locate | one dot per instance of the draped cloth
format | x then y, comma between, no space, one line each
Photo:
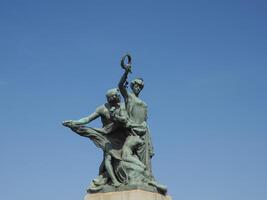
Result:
110,138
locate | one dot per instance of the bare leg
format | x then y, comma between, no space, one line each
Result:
109,168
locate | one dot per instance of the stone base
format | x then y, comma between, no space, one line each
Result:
127,195
121,188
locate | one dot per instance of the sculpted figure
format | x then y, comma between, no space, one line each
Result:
137,123
110,138
124,138
137,113
128,151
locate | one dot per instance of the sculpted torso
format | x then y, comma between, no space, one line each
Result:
137,109
103,111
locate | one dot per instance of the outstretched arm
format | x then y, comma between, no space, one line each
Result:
87,119
82,121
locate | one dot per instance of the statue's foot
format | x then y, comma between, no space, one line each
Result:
95,188
160,187
100,180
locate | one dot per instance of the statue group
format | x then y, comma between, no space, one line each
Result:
124,138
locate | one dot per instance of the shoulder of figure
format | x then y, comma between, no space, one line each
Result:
131,95
101,109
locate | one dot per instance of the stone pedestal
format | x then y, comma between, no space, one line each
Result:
127,195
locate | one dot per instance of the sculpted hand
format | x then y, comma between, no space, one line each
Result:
112,111
128,68
68,123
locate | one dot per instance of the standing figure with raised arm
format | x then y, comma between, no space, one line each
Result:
137,115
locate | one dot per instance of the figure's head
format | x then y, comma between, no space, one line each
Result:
113,96
137,85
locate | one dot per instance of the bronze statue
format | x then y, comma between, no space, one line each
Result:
124,138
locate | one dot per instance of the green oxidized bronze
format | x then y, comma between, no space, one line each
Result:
124,138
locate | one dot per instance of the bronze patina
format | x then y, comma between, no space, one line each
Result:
124,138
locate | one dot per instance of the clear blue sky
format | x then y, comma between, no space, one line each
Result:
205,69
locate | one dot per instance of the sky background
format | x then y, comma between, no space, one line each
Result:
205,69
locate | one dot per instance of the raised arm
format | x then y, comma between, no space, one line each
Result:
123,81
122,85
